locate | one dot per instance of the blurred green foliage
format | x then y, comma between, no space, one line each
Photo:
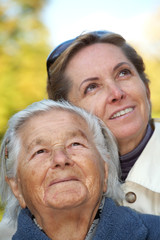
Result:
1,211
1,214
23,51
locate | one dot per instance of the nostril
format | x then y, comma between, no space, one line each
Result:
67,164
57,165
118,97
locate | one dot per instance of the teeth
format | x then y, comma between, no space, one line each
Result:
123,112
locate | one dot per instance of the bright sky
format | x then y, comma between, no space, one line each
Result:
68,18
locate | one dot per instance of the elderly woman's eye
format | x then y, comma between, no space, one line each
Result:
124,72
90,88
40,151
75,144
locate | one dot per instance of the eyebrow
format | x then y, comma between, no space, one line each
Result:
71,134
88,80
120,64
96,78
36,142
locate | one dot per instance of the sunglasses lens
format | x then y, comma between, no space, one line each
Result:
57,52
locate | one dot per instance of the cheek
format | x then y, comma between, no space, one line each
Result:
32,191
147,104
32,178
28,182
144,98
95,177
93,105
138,89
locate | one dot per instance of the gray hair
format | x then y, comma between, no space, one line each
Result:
11,144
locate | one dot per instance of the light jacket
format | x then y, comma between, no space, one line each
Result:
116,223
142,185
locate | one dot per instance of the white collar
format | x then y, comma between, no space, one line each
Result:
145,171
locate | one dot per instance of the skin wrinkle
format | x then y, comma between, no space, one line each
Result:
96,78
39,192
114,90
43,142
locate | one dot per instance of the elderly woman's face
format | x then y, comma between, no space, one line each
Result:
58,165
105,82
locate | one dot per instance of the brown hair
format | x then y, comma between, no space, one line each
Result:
58,86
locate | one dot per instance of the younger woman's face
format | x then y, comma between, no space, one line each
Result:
106,83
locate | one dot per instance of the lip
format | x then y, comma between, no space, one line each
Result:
122,109
60,180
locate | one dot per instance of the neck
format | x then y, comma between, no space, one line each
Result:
129,144
67,224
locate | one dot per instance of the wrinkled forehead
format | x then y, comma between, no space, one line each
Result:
58,118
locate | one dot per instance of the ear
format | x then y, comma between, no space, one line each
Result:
105,177
16,189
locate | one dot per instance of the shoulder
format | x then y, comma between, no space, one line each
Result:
152,223
118,222
27,229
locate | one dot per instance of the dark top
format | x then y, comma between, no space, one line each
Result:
116,223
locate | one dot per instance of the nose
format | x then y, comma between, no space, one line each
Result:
115,93
61,159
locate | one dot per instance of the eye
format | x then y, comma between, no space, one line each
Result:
90,87
124,72
75,144
40,151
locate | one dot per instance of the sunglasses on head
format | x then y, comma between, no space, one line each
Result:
63,46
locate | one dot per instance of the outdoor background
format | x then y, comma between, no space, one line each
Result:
30,29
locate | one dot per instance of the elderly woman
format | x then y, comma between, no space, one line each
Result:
61,164
100,72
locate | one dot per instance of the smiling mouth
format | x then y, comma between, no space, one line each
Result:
122,112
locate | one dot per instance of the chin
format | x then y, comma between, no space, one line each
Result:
66,198
130,129
132,134
67,202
